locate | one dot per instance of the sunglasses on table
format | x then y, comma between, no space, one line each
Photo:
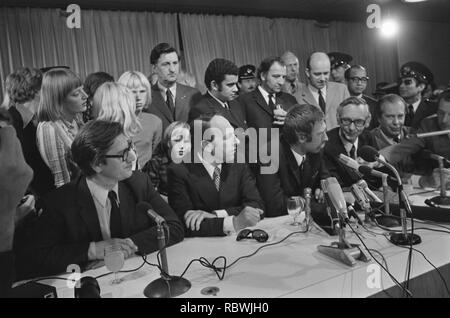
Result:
259,235
125,154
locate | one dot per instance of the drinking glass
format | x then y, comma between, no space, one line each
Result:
114,261
294,207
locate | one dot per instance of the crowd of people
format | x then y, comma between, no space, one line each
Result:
78,159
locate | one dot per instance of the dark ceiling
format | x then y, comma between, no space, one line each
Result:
323,10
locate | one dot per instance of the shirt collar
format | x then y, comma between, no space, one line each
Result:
100,193
416,104
389,139
347,144
316,91
26,113
208,166
298,157
224,105
163,89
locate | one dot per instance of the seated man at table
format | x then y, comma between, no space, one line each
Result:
300,163
100,208
213,195
439,145
353,117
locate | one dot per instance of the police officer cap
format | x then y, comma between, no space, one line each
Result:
418,71
339,59
247,71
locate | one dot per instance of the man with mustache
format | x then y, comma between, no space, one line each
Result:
82,218
221,78
247,79
353,117
319,91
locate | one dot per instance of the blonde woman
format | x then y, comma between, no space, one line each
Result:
148,138
59,115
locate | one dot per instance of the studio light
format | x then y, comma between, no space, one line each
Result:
389,28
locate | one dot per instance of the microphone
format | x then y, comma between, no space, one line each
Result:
442,199
360,197
89,288
428,154
365,187
147,208
337,197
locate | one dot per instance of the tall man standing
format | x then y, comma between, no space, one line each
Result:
292,72
171,101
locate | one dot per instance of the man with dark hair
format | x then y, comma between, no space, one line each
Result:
100,208
213,195
300,161
91,83
319,91
171,101
414,80
247,79
356,77
220,79
23,89
267,105
439,145
353,117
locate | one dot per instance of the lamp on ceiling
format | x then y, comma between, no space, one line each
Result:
413,1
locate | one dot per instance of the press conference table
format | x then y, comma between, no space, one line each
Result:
293,268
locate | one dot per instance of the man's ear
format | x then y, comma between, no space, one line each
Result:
422,87
368,120
307,73
97,167
214,86
302,138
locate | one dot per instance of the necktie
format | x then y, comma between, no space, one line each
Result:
321,101
409,115
226,105
271,101
115,225
353,152
216,177
293,88
396,139
169,102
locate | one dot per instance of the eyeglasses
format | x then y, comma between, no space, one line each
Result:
125,154
359,79
358,122
259,235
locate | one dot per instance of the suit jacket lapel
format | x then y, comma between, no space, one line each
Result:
292,163
87,210
259,99
127,207
331,95
205,185
179,100
307,96
159,103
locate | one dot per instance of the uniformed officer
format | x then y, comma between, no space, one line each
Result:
339,64
247,79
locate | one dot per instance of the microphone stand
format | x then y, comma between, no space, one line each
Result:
442,199
166,286
403,238
386,219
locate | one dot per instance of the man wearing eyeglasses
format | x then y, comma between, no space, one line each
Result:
414,79
356,77
99,209
353,117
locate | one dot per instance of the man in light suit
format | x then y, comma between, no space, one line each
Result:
319,91
100,208
292,71
221,77
213,195
171,101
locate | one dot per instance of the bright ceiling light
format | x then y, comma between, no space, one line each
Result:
414,1
389,28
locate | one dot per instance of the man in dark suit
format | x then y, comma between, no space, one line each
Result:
171,101
98,209
23,89
353,117
213,195
299,157
15,176
267,105
439,145
247,79
319,91
414,79
356,77
221,77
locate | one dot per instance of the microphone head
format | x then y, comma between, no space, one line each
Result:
368,153
365,170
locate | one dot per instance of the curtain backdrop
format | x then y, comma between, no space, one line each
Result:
110,41
116,41
247,40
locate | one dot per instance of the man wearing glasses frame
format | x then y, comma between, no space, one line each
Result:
100,208
357,79
353,117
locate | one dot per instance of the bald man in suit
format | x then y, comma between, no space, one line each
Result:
319,91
